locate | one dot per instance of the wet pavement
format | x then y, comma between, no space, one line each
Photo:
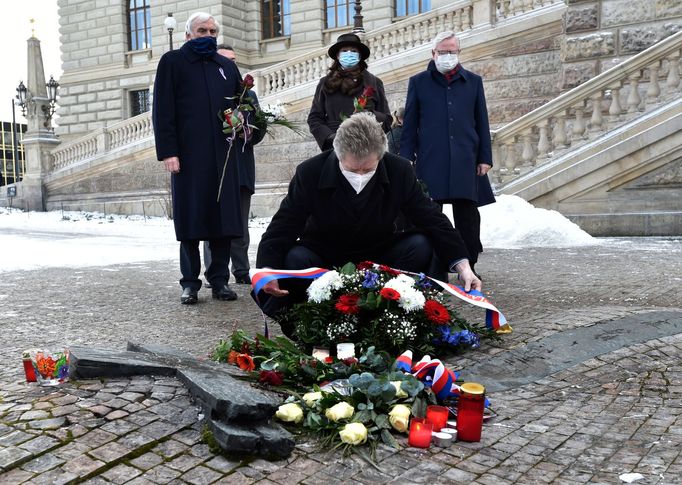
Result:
587,388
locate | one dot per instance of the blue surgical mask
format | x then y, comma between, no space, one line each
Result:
349,59
204,46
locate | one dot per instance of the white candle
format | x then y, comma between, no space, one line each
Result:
345,351
320,353
442,439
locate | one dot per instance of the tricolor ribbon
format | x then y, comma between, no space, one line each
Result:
494,319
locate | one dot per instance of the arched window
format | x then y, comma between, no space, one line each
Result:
411,7
275,18
139,25
338,13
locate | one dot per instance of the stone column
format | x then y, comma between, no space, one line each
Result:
39,138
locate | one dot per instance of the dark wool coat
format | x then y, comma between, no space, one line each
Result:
245,156
189,94
446,130
327,110
317,213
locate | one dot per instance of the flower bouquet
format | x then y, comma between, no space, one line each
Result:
374,305
247,117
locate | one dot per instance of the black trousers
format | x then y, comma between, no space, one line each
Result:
411,253
468,222
217,272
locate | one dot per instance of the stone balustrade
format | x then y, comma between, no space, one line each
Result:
509,8
586,112
100,141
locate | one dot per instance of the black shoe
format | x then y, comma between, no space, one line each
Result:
224,293
243,280
189,296
207,284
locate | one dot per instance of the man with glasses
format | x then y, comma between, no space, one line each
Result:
446,133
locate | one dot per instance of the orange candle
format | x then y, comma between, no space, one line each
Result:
438,416
420,433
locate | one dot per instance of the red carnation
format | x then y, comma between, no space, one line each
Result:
271,377
436,312
365,265
248,82
348,304
389,294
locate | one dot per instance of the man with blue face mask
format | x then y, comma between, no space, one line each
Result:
347,80
446,133
193,85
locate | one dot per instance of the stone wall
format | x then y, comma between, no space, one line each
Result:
602,33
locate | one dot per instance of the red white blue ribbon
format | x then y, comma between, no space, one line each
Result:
494,319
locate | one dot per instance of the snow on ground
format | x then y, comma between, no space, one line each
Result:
76,239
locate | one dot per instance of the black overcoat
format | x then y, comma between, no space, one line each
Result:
446,130
189,94
316,214
329,110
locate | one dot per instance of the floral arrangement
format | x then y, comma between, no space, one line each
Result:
247,117
364,101
278,362
374,305
363,409
49,368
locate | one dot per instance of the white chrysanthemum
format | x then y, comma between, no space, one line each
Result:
400,282
321,289
411,299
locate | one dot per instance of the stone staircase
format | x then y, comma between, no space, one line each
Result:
606,153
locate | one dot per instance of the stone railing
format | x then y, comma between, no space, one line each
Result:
103,140
396,38
606,101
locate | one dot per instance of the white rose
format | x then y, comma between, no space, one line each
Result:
353,434
398,389
338,411
310,398
290,412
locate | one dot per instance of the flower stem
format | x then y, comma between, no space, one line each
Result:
222,177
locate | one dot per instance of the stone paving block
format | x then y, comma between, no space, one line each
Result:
111,452
72,450
15,476
56,476
184,462
121,474
200,475
135,440
97,437
43,463
147,461
118,414
119,427
170,448
82,465
161,474
15,438
63,410
188,436
32,415
160,429
142,418
225,465
40,444
45,424
236,478
13,456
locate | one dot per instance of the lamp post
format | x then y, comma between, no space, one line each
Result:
171,24
15,142
357,18
26,101
21,96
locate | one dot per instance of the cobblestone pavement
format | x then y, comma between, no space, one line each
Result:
620,412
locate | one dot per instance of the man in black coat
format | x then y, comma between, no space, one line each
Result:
341,207
193,87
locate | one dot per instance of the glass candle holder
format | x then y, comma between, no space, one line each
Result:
320,353
438,416
470,411
420,433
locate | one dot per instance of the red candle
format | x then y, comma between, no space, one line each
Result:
420,433
470,411
438,416
28,368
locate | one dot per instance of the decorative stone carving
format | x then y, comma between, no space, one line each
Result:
668,176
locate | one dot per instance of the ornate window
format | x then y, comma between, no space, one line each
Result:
411,7
139,102
338,13
139,25
275,18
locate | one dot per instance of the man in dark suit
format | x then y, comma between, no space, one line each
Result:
446,132
193,86
341,207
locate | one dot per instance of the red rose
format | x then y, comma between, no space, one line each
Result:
271,377
348,304
248,81
350,361
365,265
436,312
368,92
362,101
388,269
389,294
329,360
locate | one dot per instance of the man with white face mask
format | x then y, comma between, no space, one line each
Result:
342,206
446,132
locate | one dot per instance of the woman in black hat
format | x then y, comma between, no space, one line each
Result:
335,96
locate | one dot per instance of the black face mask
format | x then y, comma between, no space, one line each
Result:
204,46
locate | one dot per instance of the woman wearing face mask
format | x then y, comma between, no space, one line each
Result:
334,97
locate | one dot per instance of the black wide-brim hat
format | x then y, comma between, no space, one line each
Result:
346,40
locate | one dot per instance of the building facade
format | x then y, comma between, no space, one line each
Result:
110,48
12,159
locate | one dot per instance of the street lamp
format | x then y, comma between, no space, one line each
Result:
27,102
171,24
52,87
358,28
21,96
